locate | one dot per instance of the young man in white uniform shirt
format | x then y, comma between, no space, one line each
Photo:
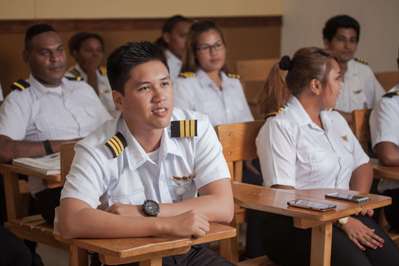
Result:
145,169
384,129
46,110
360,89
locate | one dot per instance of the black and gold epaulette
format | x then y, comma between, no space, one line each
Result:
187,75
20,85
116,144
391,94
183,128
233,76
271,114
77,78
102,70
361,61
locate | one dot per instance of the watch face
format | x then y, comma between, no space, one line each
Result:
151,208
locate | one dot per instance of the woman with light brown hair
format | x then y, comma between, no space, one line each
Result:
307,146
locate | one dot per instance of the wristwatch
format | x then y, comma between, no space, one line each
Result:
343,221
151,208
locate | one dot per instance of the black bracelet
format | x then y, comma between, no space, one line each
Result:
47,147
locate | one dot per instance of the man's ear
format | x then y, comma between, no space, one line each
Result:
166,37
315,86
326,44
118,99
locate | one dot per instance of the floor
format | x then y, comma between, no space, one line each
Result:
52,256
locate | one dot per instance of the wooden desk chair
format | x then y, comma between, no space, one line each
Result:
253,74
149,251
32,228
238,141
361,129
388,79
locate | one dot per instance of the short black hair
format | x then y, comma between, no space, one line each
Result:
75,42
123,59
35,30
340,21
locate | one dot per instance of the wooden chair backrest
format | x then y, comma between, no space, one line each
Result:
253,74
361,128
67,154
388,79
256,69
238,142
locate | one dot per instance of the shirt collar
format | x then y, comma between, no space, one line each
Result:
351,69
206,81
135,154
83,74
171,56
42,88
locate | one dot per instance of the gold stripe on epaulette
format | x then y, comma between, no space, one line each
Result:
233,76
116,144
183,129
187,74
102,70
20,84
361,61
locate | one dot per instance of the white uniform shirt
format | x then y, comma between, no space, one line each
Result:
360,89
104,88
384,126
294,151
174,64
99,179
39,113
225,106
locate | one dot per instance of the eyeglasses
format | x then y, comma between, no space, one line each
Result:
208,48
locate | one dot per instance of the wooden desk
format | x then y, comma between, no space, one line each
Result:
12,190
275,201
149,251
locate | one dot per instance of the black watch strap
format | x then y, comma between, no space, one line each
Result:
47,147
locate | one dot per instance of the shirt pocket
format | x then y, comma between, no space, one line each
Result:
359,99
182,187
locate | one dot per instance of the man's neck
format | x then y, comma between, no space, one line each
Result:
150,140
46,84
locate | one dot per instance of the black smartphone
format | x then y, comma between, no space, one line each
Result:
347,197
311,205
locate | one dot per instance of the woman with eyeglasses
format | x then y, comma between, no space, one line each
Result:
205,85
309,146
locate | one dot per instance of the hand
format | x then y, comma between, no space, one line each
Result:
363,212
361,235
126,210
190,223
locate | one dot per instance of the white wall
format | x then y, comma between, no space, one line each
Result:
303,21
